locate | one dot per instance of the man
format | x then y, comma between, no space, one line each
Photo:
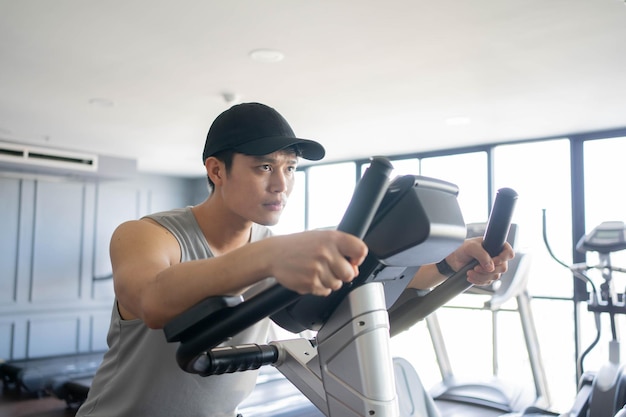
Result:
167,262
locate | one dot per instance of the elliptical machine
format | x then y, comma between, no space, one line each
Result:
347,370
601,393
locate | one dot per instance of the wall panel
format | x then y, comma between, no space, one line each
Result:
116,203
25,241
6,339
54,239
57,245
9,221
48,336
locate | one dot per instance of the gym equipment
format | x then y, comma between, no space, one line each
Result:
347,369
494,393
273,396
601,393
276,396
73,391
36,376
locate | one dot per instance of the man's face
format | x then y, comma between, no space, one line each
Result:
257,187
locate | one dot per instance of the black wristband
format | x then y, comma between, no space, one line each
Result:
444,268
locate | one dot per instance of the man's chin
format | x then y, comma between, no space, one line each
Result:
270,221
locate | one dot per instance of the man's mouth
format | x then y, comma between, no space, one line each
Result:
275,205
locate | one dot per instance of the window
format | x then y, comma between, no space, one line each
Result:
540,173
467,171
604,201
405,167
604,186
330,190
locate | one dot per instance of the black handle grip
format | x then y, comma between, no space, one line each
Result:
408,313
366,198
232,359
499,221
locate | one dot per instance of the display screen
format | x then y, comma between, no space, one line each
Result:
608,234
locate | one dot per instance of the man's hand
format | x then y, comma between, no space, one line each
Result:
489,269
318,262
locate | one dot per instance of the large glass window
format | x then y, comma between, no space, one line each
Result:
405,167
330,190
605,179
467,171
540,173
604,201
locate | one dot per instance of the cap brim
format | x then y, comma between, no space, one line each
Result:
311,150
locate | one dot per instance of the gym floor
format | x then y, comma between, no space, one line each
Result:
12,405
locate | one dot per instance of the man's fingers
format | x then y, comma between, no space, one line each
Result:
353,248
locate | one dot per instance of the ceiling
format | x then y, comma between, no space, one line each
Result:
145,78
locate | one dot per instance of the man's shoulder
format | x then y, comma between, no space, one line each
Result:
176,212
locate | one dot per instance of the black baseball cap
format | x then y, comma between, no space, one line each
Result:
255,129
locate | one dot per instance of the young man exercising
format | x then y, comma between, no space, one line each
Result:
167,262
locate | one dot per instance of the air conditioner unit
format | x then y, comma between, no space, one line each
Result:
19,158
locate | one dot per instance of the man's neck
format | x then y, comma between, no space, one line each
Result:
222,230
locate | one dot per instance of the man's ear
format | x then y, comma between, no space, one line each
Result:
215,169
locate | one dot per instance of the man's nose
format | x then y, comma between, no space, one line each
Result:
279,181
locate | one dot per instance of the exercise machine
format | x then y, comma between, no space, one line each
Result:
347,369
601,393
38,376
494,393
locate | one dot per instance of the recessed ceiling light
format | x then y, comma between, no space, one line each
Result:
267,55
458,121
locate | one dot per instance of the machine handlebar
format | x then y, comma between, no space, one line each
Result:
408,311
366,198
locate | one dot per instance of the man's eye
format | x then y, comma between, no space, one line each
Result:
266,167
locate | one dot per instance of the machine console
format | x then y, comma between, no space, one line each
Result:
607,237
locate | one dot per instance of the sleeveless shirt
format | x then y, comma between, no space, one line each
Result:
139,375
